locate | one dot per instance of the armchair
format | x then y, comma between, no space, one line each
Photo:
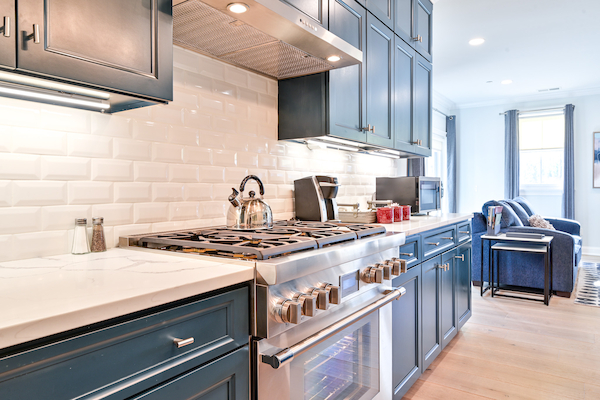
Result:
527,270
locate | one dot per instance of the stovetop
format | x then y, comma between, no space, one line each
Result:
286,237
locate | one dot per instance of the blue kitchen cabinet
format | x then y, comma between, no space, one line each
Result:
8,35
383,10
423,107
412,23
430,309
462,266
447,289
133,355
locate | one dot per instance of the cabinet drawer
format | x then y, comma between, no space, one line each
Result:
411,251
224,379
463,231
125,359
438,241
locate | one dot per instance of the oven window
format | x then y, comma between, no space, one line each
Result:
346,366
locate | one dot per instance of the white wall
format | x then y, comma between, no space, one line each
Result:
156,168
480,153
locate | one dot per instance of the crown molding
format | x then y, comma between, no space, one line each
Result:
443,103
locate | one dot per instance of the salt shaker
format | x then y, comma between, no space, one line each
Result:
80,240
98,241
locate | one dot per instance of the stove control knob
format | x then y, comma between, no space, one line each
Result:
322,298
387,272
290,311
335,295
307,302
402,265
372,274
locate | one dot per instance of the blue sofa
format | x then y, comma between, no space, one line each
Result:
527,270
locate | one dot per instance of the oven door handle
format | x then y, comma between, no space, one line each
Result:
287,355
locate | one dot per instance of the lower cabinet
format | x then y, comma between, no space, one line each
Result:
436,304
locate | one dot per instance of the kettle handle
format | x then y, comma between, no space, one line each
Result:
257,179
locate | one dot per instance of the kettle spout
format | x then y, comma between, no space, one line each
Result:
234,198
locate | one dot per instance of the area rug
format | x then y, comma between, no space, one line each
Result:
588,288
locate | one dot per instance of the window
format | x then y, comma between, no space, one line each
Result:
435,165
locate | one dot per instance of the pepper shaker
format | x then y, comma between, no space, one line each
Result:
98,240
80,239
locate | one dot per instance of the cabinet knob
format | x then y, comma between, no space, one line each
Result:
183,342
6,27
461,257
418,38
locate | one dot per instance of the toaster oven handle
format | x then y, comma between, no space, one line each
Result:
287,355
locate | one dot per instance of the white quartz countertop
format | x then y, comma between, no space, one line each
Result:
418,224
49,295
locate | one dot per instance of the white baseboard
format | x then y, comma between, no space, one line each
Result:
590,251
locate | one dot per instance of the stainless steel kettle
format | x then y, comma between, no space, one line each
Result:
250,212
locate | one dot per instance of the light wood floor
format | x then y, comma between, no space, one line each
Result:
519,349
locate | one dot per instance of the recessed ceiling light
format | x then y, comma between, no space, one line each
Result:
238,8
490,82
476,41
334,58
506,82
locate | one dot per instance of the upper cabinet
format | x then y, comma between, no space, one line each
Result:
315,9
383,10
413,23
8,58
114,44
422,107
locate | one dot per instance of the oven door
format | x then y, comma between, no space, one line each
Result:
345,360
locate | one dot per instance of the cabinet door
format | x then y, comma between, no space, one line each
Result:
380,68
422,106
423,12
447,298
115,44
404,74
463,283
406,341
403,26
430,310
226,378
8,34
383,10
347,86
316,9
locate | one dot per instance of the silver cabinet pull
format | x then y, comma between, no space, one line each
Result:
367,128
373,129
407,254
418,38
463,232
445,267
36,33
448,238
461,257
417,142
287,355
434,244
6,26
183,342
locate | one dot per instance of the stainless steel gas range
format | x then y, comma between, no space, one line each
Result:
322,318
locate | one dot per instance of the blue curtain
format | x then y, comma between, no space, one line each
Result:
451,162
511,154
568,203
416,166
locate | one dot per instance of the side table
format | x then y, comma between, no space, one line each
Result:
517,244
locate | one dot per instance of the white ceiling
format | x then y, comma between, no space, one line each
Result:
538,44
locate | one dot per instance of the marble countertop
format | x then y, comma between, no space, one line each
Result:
48,295
418,224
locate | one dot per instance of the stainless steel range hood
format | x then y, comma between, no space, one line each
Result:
271,38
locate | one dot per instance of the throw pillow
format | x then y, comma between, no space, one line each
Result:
511,215
537,221
525,204
520,211
509,218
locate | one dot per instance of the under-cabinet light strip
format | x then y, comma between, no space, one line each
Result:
51,97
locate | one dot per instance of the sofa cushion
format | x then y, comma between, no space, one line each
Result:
525,204
509,217
520,211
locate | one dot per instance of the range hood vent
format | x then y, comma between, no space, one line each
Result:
272,39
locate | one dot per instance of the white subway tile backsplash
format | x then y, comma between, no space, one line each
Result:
185,59
125,230
214,209
224,124
224,89
112,170
262,174
38,141
247,96
236,110
170,153
185,98
278,205
65,119
150,171
276,149
168,191
233,174
127,149
285,191
66,168
6,248
245,159
179,211
258,114
167,226
224,158
276,176
266,100
199,83
150,212
221,191
150,131
5,194
212,104
272,88
20,166
90,192
193,118
212,174
267,161
213,139
184,135
20,113
5,138
80,145
41,244
114,214
285,163
56,218
198,191
258,83
20,219
168,115
132,192
291,176
197,155
37,193
184,173
212,68
111,125
236,76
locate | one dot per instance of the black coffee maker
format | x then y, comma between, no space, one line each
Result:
314,198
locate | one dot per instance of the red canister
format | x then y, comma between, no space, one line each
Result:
405,213
397,213
385,215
